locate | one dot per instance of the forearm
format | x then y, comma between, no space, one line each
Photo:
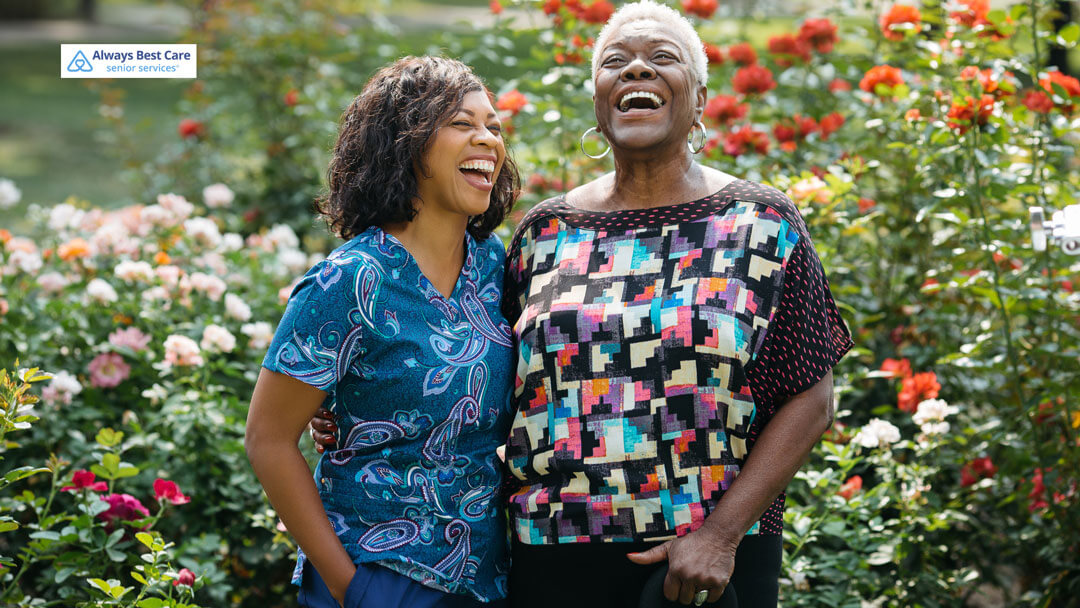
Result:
286,478
781,449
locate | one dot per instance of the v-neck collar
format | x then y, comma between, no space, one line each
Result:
426,286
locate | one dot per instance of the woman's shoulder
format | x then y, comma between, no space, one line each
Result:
544,210
764,195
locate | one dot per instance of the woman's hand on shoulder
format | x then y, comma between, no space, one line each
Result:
323,429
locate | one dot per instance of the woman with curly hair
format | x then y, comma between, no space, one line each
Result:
398,333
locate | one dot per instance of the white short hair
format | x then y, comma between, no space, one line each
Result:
647,10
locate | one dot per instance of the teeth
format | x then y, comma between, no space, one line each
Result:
624,104
486,166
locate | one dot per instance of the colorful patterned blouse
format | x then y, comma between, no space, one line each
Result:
418,384
654,346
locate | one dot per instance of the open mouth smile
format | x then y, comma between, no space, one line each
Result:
478,172
640,100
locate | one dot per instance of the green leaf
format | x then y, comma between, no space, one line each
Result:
8,526
107,437
145,539
115,554
63,574
100,584
139,577
151,602
46,535
1068,35
126,470
111,462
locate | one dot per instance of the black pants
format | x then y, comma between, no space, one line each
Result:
599,575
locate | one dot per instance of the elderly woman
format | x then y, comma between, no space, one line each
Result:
676,337
675,340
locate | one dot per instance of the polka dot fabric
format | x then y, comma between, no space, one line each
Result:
654,345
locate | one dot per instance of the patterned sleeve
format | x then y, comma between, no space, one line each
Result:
316,342
806,336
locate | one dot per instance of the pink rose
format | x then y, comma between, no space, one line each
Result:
108,370
84,480
131,337
184,577
122,507
168,490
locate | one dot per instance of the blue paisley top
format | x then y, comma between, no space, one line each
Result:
419,384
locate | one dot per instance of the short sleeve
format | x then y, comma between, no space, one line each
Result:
806,336
513,298
316,342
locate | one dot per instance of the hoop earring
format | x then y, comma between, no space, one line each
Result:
690,138
586,134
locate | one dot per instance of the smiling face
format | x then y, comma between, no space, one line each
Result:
646,93
462,160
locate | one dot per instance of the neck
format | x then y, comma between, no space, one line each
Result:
644,177
436,241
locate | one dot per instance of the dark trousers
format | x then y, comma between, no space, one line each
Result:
599,575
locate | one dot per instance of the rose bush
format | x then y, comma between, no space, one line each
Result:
913,142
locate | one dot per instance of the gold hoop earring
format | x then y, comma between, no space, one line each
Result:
690,138
585,135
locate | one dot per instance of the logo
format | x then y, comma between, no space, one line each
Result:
80,63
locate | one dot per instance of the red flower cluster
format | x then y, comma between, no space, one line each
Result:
818,34
725,109
1068,83
84,480
753,79
897,15
496,7
701,8
745,140
899,368
742,54
165,490
787,49
538,183
551,7
292,97
976,12
830,124
714,54
189,127
963,114
597,12
1037,101
850,487
882,74
979,468
916,389
511,101
866,204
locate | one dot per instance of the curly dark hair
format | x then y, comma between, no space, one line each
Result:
383,136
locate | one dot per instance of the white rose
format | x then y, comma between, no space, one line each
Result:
216,338
231,241
212,286
52,282
64,217
203,231
134,271
217,195
101,292
9,194
260,333
26,261
283,237
236,308
877,433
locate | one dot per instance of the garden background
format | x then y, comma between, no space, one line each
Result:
150,231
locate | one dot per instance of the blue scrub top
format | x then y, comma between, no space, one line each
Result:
419,384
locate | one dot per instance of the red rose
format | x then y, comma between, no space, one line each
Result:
122,507
725,109
292,97
965,113
897,15
806,125
713,53
1037,101
189,127
753,79
598,12
496,7
701,8
184,577
784,133
512,101
881,74
839,84
84,480
168,490
1070,84
831,123
977,10
819,34
1037,496
551,6
742,53
912,115
984,77
899,368
866,204
850,487
984,467
916,389
786,49
744,141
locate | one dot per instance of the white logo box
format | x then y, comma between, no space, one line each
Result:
128,61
